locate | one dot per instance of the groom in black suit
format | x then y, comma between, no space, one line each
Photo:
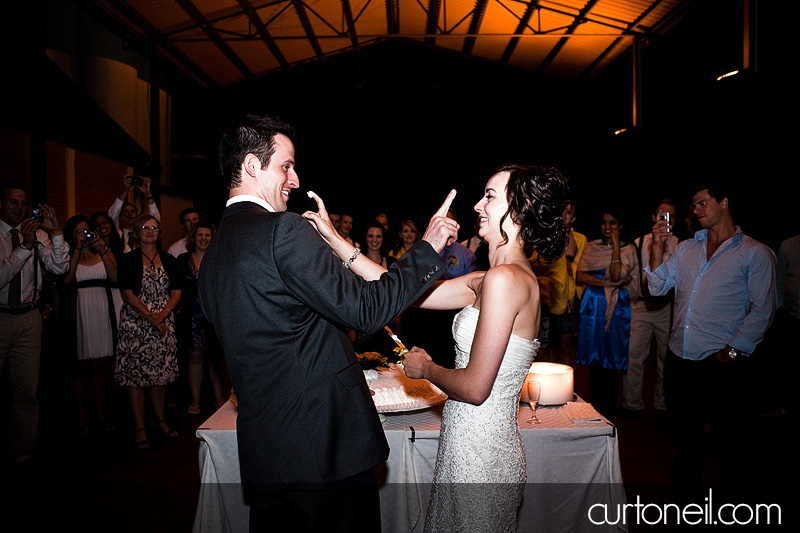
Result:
308,433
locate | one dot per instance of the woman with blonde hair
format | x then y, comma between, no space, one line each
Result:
147,348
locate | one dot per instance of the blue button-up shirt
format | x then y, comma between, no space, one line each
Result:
458,260
729,299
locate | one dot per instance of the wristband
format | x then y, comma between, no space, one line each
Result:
349,262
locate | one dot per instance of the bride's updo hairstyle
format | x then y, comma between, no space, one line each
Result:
537,196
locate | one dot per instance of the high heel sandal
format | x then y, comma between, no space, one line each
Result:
143,444
169,432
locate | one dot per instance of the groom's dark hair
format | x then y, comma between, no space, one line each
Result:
251,134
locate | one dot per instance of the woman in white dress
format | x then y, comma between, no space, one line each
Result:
88,308
480,467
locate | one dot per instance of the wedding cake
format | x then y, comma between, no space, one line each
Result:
394,391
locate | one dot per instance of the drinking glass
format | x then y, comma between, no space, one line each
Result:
534,393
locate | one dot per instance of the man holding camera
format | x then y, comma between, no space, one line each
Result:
25,248
124,213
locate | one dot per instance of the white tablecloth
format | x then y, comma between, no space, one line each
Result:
570,468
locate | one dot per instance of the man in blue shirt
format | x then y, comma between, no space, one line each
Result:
725,298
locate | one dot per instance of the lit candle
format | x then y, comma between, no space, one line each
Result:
557,383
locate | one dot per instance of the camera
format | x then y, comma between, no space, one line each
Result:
137,180
88,235
666,216
37,215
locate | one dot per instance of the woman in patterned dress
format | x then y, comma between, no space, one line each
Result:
147,347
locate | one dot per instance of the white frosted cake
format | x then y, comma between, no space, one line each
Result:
394,391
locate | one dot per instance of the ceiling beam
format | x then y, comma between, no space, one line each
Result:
474,25
524,22
300,8
263,32
628,30
347,11
577,21
392,17
201,21
432,21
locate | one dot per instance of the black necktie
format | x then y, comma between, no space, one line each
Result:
131,242
15,288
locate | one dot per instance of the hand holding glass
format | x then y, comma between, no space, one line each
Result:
534,393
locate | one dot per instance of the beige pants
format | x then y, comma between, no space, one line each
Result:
646,326
20,347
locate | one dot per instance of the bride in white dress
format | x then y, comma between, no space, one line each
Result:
480,469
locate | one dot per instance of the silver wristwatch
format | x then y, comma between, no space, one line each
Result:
732,353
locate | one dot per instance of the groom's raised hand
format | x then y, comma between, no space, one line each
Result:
441,228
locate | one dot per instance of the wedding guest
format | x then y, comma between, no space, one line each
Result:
478,247
89,321
380,341
725,299
146,359
336,220
101,223
554,300
308,432
787,323
187,219
480,469
408,235
606,269
383,218
651,317
375,238
124,213
25,249
566,324
346,227
196,336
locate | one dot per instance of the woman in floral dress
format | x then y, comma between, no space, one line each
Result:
147,347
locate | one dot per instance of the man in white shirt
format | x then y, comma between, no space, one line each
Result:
187,219
25,248
124,213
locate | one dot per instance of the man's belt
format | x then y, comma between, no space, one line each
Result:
21,310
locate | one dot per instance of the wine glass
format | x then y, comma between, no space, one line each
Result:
534,393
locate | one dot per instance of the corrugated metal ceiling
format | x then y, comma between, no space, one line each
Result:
220,43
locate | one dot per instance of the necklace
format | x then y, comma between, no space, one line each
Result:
152,263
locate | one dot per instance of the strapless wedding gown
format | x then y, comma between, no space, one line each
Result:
480,470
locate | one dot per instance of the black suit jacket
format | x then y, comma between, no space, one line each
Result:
278,299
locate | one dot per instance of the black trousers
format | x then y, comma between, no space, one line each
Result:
717,392
351,505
